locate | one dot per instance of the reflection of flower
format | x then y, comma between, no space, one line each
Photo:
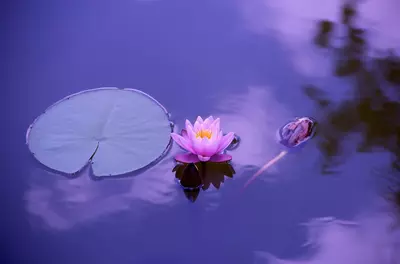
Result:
194,176
204,141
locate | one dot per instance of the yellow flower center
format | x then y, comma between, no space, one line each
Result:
204,133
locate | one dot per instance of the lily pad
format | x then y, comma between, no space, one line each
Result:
119,130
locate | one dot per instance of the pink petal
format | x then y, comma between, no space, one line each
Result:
186,158
225,141
198,145
182,142
199,120
188,124
215,128
220,158
197,126
219,137
205,147
216,124
184,134
202,158
191,134
207,123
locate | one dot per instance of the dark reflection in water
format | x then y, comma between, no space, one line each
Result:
371,111
352,54
396,196
393,197
201,175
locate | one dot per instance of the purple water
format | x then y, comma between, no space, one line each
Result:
245,62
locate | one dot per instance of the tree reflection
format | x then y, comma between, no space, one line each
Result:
201,175
372,112
324,33
393,197
397,199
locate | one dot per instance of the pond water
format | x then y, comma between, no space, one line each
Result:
255,65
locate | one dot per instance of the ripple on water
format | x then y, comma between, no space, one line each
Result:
369,240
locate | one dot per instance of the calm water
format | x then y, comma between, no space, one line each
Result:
253,64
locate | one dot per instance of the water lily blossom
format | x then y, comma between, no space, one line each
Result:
204,141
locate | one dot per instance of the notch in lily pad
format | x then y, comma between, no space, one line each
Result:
119,130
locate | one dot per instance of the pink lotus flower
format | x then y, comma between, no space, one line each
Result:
204,141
